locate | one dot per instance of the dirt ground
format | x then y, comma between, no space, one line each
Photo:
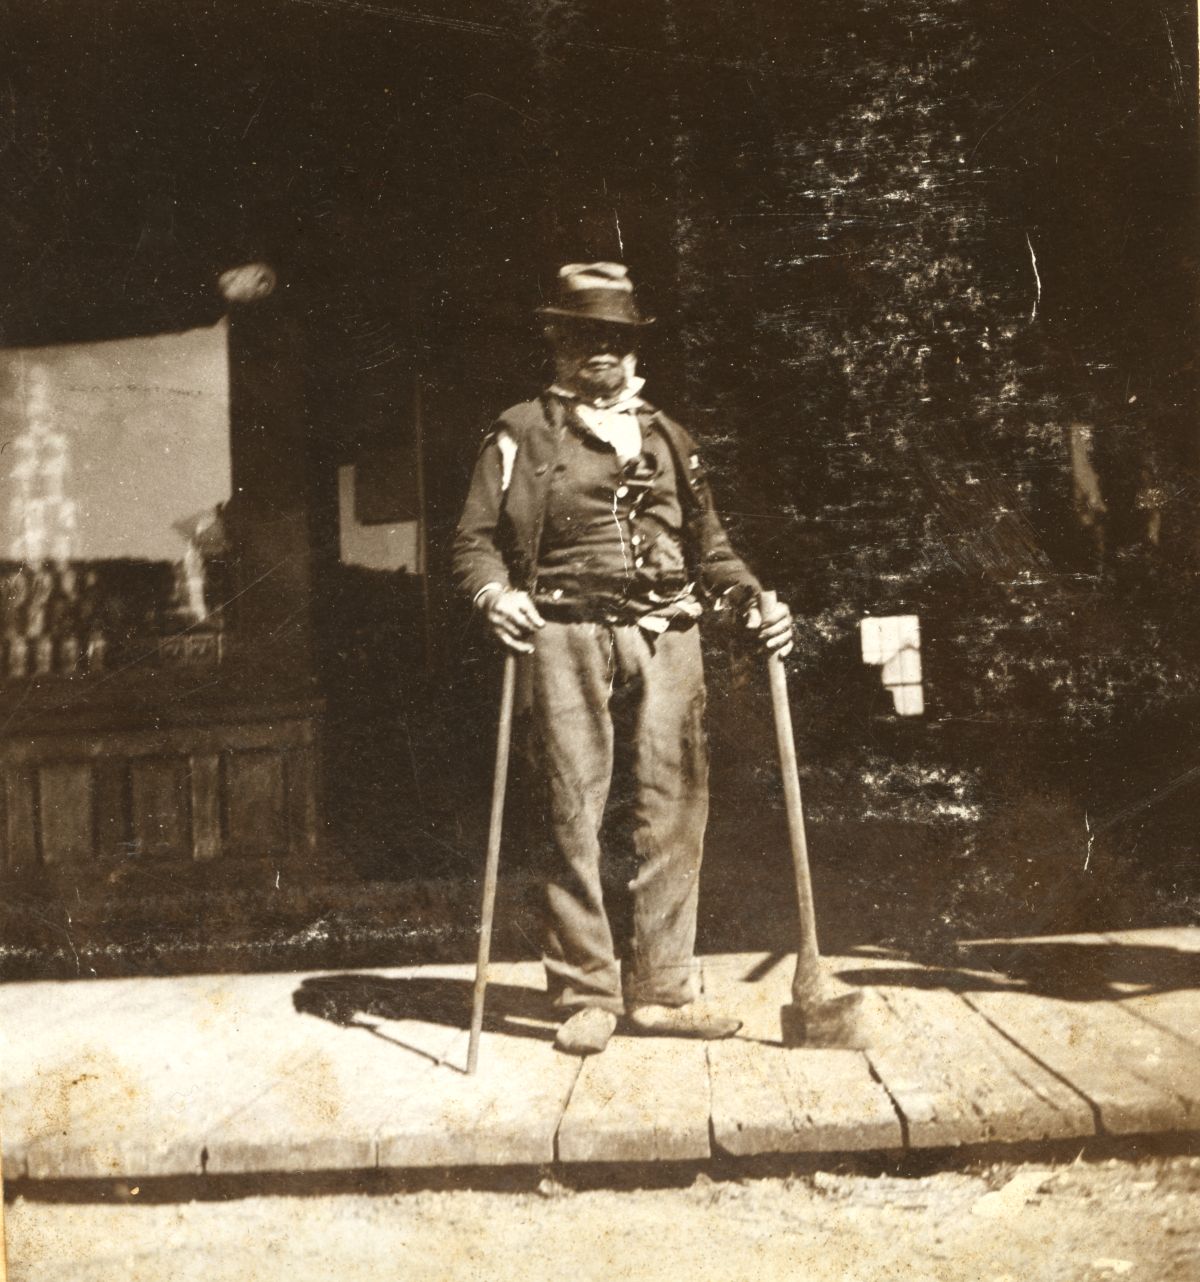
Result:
1092,1220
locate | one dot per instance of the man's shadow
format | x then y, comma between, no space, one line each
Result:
1066,969
368,1001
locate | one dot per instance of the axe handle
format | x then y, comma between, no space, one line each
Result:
491,867
808,957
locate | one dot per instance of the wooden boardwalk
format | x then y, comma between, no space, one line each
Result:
1017,1041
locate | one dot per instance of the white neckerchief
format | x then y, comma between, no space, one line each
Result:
613,419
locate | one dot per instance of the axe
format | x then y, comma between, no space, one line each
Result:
815,1016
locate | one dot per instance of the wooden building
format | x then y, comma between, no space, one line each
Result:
928,296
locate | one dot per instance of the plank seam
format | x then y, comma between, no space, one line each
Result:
556,1154
1036,1090
1097,1119
713,1147
223,1123
904,1136
1013,1071
1187,1042
1167,1088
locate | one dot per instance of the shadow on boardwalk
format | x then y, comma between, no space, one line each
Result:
358,999
1072,970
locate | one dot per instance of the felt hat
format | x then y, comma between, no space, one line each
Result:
596,292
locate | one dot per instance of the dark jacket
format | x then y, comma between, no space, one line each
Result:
500,530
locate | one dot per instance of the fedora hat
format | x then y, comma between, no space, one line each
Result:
597,292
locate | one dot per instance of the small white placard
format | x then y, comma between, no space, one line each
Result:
893,644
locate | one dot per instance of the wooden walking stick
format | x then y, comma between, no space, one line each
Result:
492,863
813,1017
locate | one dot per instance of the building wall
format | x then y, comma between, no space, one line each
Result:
925,291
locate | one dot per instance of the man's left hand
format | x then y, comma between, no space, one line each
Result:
773,630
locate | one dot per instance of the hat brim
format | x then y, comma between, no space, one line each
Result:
588,319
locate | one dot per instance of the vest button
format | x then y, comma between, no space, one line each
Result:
541,469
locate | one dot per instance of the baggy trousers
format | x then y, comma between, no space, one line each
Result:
573,673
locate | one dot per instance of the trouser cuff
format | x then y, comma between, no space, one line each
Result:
569,1001
664,989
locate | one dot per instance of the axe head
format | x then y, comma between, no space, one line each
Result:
834,1023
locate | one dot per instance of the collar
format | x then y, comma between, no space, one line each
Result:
627,401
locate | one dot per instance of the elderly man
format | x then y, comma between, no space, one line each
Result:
589,543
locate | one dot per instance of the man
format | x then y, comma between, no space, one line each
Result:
589,543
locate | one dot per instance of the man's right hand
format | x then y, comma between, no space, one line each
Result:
512,616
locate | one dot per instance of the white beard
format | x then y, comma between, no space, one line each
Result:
608,385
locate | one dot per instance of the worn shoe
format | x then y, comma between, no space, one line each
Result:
586,1032
696,1019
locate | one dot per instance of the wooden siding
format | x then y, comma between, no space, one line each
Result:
183,793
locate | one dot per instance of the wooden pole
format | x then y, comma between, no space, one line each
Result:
807,982
492,863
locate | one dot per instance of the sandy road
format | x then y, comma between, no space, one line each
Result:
1037,1223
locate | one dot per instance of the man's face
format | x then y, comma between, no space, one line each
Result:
592,359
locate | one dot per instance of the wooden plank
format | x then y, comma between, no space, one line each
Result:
46,1028
326,1112
54,1035
1165,979
391,1088
766,1099
508,1112
1138,1077
957,1081
645,1099
257,820
230,1064
31,1009
159,790
1176,1012
505,1115
752,987
953,1077
137,1077
136,1095
205,775
20,819
229,736
301,777
66,793
113,832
